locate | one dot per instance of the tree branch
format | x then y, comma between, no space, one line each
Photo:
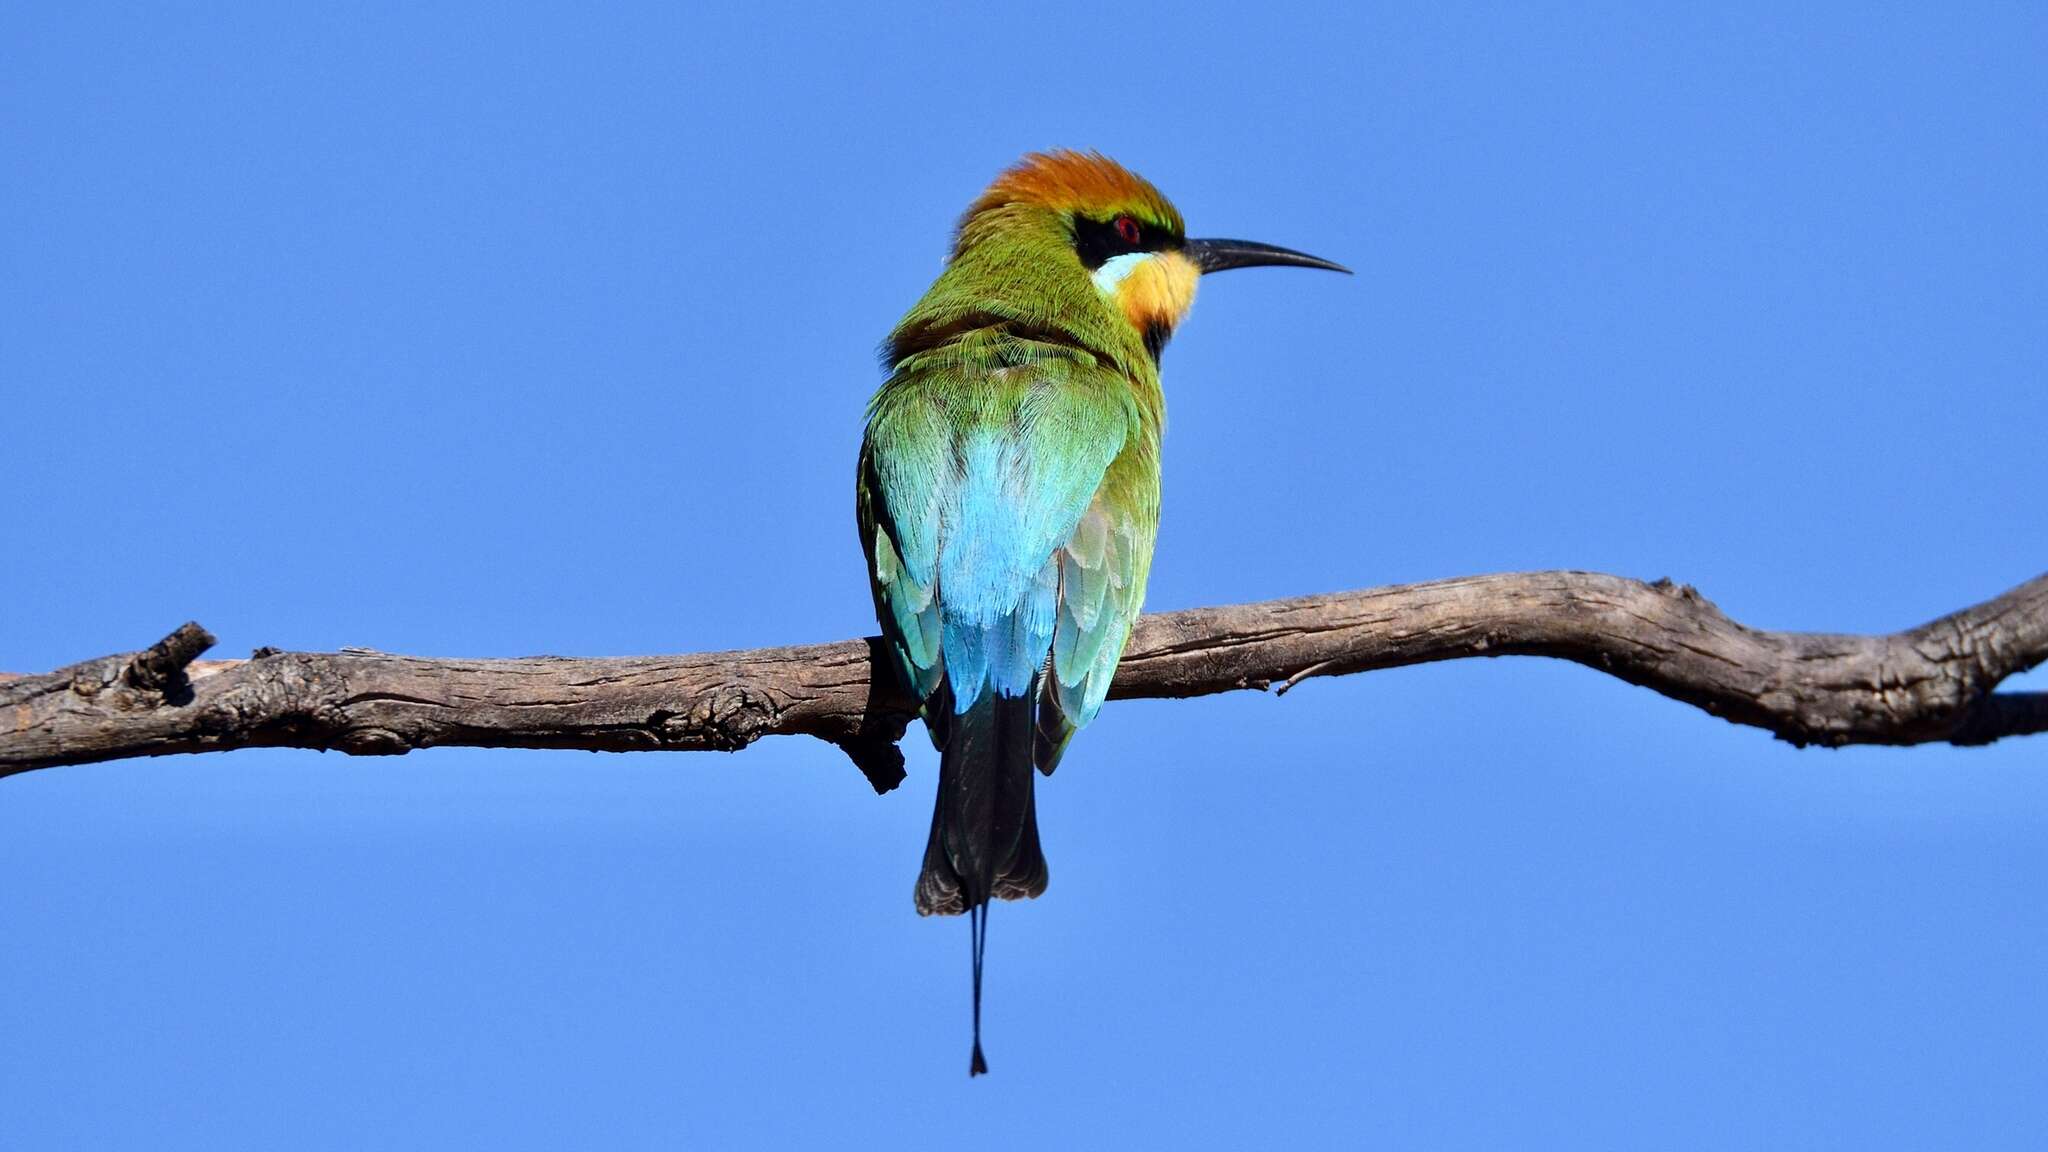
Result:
1930,684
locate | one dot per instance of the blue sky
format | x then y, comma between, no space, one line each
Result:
487,332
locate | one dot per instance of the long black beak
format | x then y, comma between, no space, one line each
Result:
1219,255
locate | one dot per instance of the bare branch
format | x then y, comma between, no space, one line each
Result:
1931,684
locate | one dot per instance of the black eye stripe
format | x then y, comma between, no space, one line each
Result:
1099,241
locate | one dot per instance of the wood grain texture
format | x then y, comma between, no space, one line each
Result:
1931,684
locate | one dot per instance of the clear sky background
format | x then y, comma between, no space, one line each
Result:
500,332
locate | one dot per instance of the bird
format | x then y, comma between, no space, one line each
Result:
1008,493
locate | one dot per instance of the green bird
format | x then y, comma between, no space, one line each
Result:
1008,493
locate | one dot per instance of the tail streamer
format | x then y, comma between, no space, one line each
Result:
977,921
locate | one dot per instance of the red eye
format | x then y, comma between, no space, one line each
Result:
1127,229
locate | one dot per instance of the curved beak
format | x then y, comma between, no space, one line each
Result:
1220,255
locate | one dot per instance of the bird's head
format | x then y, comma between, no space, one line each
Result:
1075,243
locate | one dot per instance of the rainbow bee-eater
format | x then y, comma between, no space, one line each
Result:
1009,493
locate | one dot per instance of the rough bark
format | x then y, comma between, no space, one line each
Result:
1930,684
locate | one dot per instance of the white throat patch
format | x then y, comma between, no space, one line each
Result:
1115,268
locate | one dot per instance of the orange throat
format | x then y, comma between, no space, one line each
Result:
1155,293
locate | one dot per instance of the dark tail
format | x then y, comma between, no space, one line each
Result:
984,840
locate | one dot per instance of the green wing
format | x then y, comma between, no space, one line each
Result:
1103,567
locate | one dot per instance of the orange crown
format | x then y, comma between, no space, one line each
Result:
1088,183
